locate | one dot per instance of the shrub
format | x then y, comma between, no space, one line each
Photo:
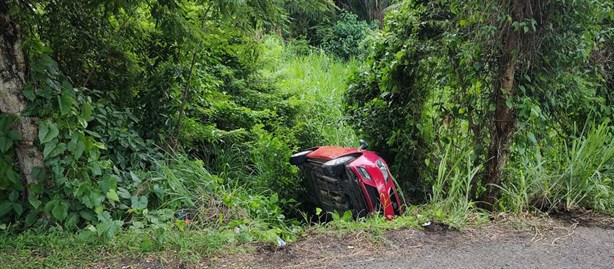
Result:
385,101
343,38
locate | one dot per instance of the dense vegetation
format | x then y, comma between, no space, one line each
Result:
515,95
120,118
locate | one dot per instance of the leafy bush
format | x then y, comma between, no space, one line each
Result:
343,38
385,101
88,147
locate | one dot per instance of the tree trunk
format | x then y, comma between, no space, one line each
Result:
504,117
12,80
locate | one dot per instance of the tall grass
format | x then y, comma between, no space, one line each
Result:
212,202
452,188
318,81
566,175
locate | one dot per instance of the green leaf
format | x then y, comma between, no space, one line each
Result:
65,101
52,149
60,210
5,144
34,201
6,122
4,183
138,202
82,122
5,208
32,217
47,132
86,111
347,215
123,193
76,146
71,221
13,196
28,92
95,167
72,145
509,103
100,145
49,147
18,209
135,178
39,174
93,200
49,205
59,149
112,195
87,215
274,198
13,135
532,138
80,148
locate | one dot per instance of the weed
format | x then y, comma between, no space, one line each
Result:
564,175
451,192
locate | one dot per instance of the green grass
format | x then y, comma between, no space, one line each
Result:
374,227
319,82
564,175
33,249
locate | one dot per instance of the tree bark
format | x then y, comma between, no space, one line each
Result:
504,117
13,69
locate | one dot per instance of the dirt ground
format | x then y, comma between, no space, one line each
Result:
566,241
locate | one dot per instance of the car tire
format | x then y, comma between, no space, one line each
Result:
336,167
299,158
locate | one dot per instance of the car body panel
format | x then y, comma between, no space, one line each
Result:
385,189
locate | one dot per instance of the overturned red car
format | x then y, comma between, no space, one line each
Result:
342,178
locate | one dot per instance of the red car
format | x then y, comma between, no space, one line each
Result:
342,178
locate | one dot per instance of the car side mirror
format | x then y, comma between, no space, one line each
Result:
363,144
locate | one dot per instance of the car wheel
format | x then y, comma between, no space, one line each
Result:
299,158
336,167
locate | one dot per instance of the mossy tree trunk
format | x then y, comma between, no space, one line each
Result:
504,117
13,68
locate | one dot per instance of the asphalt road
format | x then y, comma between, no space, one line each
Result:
582,247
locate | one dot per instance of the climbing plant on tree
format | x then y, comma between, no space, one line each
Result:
482,68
